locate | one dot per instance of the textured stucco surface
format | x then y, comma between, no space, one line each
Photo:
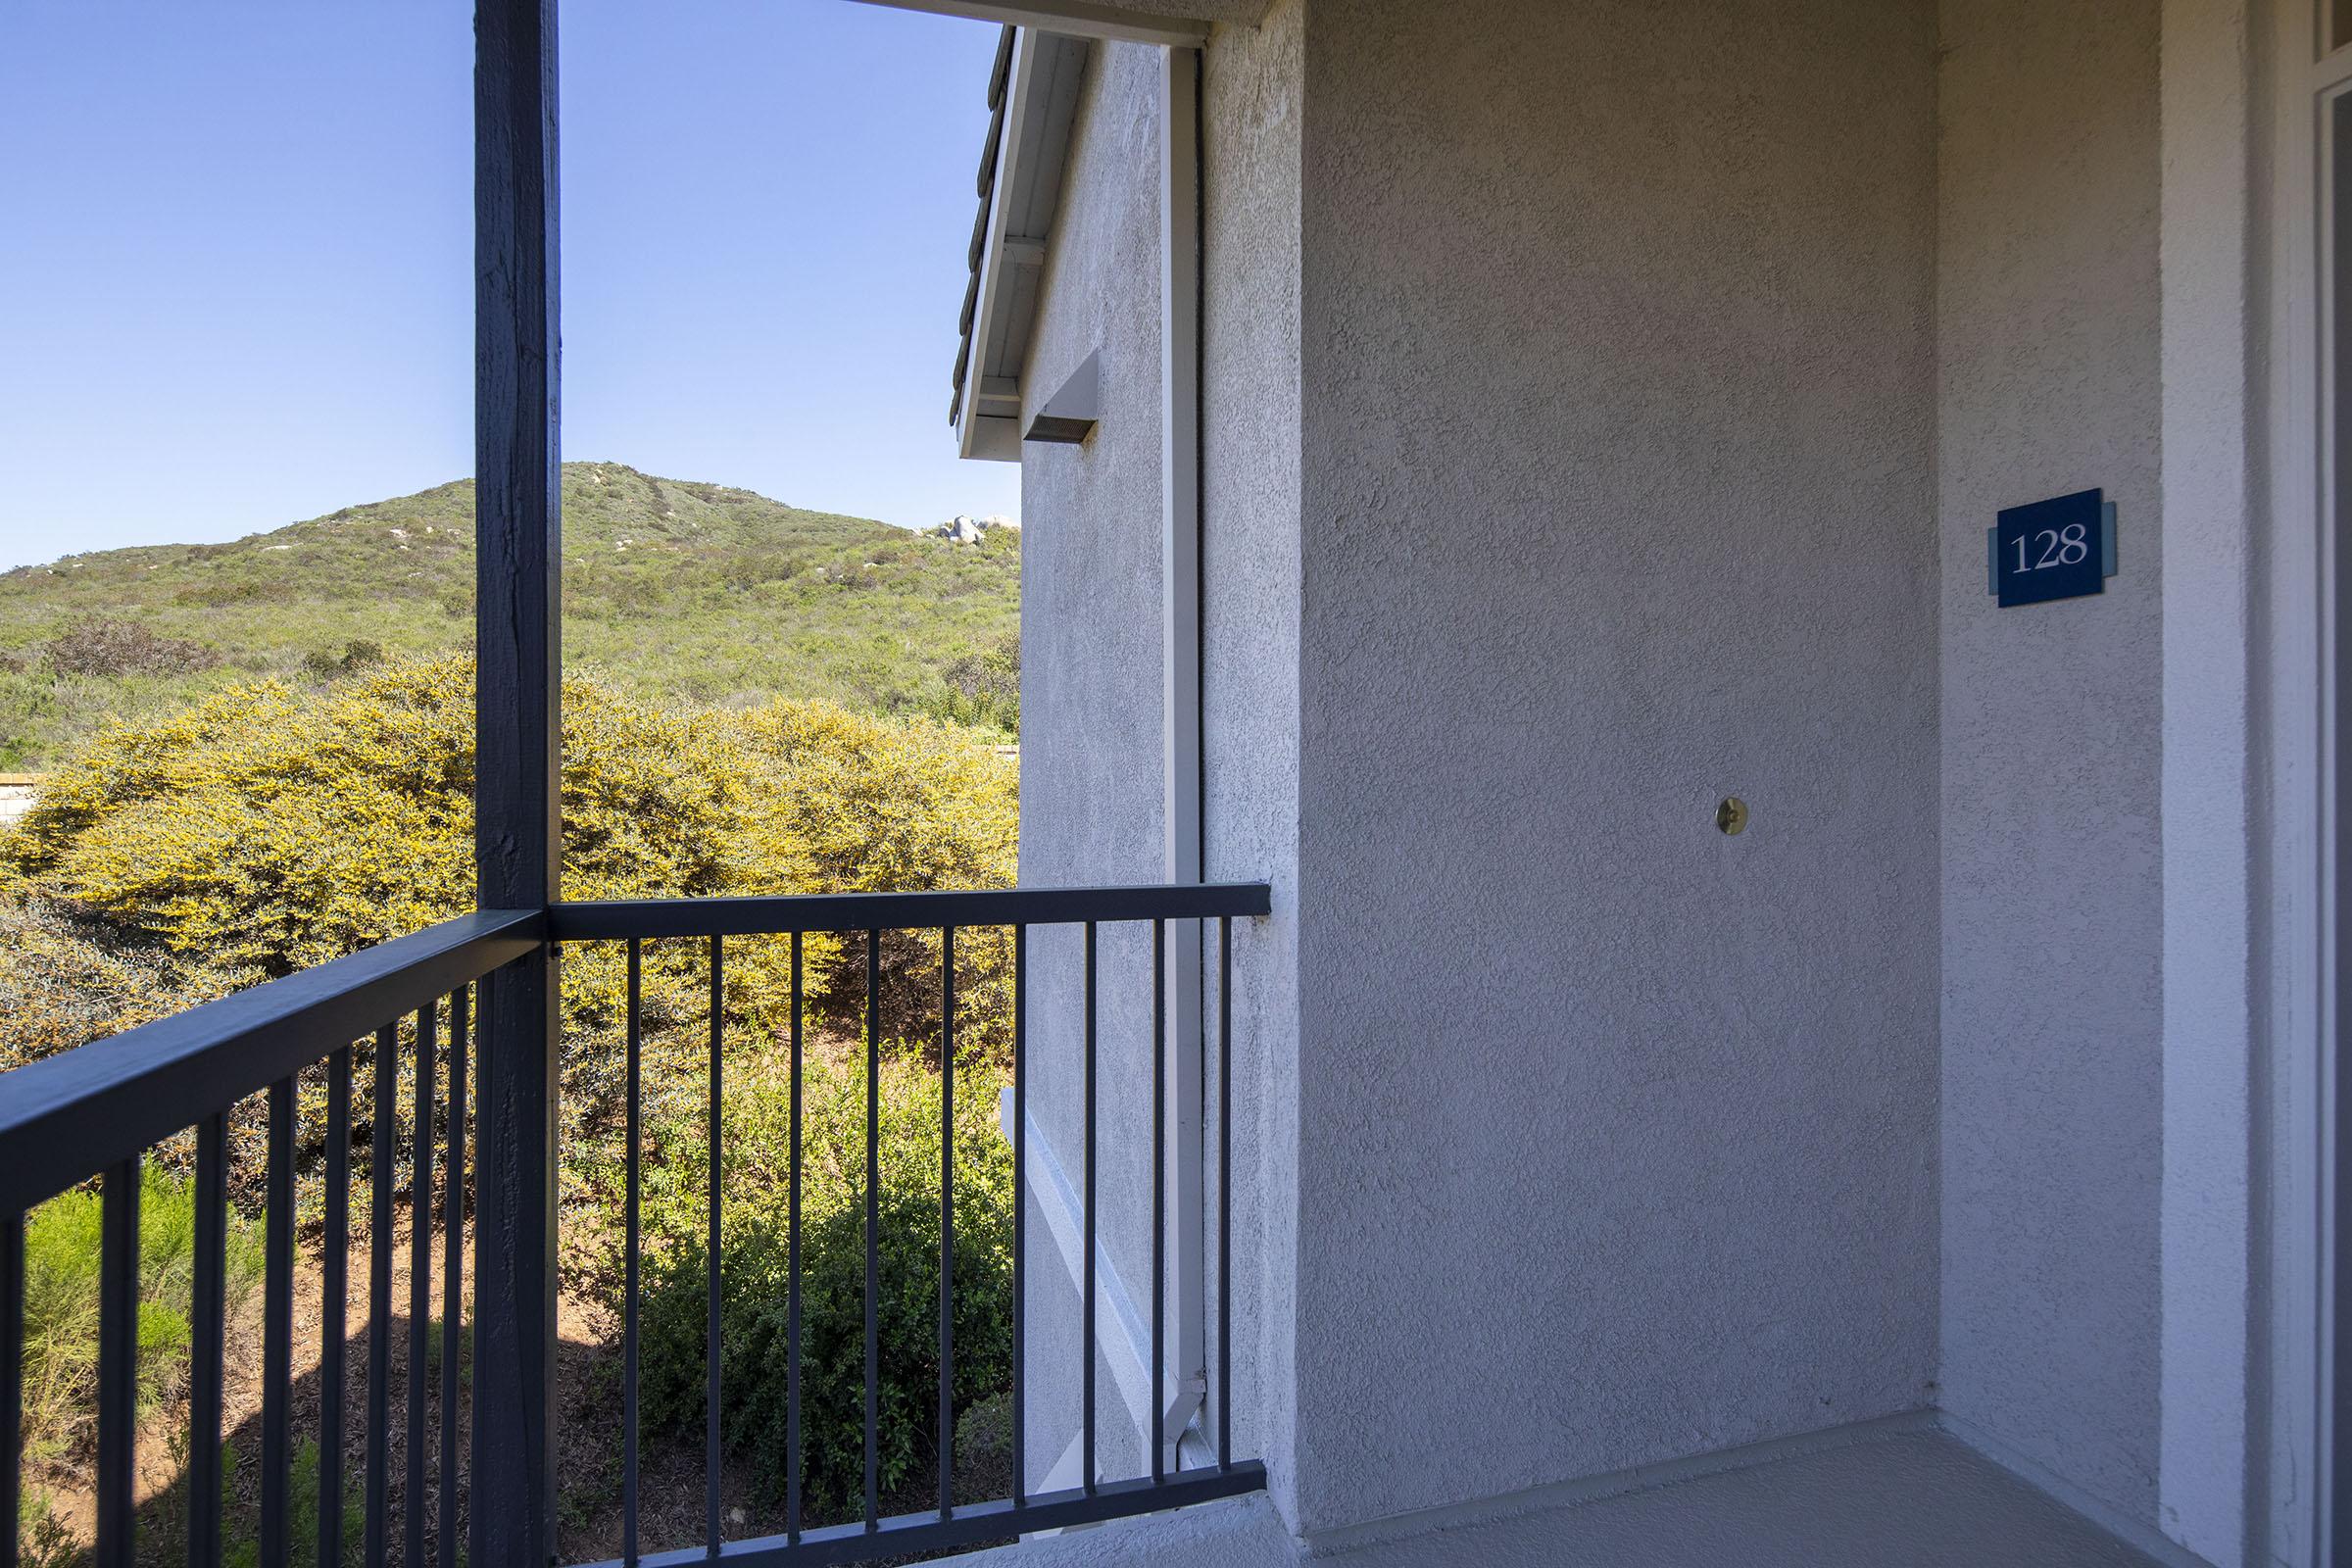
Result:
1092,784
1091,738
1599,419
2052,1028
1617,1136
1252,122
2214,356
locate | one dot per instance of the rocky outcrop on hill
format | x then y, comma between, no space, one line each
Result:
966,530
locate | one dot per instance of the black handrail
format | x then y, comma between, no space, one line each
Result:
648,918
67,1118
98,1108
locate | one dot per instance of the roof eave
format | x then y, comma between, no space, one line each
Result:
1021,170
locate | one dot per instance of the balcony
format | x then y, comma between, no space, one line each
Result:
1746,1051
94,1112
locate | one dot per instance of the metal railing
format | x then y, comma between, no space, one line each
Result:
94,1112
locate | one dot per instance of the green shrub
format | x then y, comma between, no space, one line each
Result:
43,1540
865,806
103,645
272,826
984,687
754,1269
359,653
60,1305
68,978
267,827
241,1547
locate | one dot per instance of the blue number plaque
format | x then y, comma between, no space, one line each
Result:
2062,548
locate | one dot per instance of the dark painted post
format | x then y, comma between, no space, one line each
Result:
518,830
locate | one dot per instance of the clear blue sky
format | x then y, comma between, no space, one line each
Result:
236,257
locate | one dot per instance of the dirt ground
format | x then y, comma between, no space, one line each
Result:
588,1450
163,1436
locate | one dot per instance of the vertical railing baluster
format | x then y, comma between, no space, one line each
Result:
947,1222
791,1272
277,1328
453,1270
1159,1194
383,1118
334,1266
420,1279
12,1382
711,1347
208,1341
1225,1192
629,1251
118,1363
1085,1307
1020,1209
873,1244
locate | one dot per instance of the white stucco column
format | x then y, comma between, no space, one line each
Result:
2212,352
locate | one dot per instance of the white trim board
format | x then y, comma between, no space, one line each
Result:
2296,971
1184,1047
1045,79
991,436
1075,18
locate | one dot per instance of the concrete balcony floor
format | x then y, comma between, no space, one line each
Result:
1904,1498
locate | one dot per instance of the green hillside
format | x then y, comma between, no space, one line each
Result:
687,593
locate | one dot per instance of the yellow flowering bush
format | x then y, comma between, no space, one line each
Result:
272,827
267,827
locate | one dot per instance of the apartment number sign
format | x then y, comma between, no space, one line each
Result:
2062,548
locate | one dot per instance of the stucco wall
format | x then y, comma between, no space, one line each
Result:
2052,1048
1251,121
1617,1136
1092,801
1091,737
2225,1052
1600,419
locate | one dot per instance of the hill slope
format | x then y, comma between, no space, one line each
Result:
684,592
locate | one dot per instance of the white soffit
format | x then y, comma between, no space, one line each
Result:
1084,19
1035,98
